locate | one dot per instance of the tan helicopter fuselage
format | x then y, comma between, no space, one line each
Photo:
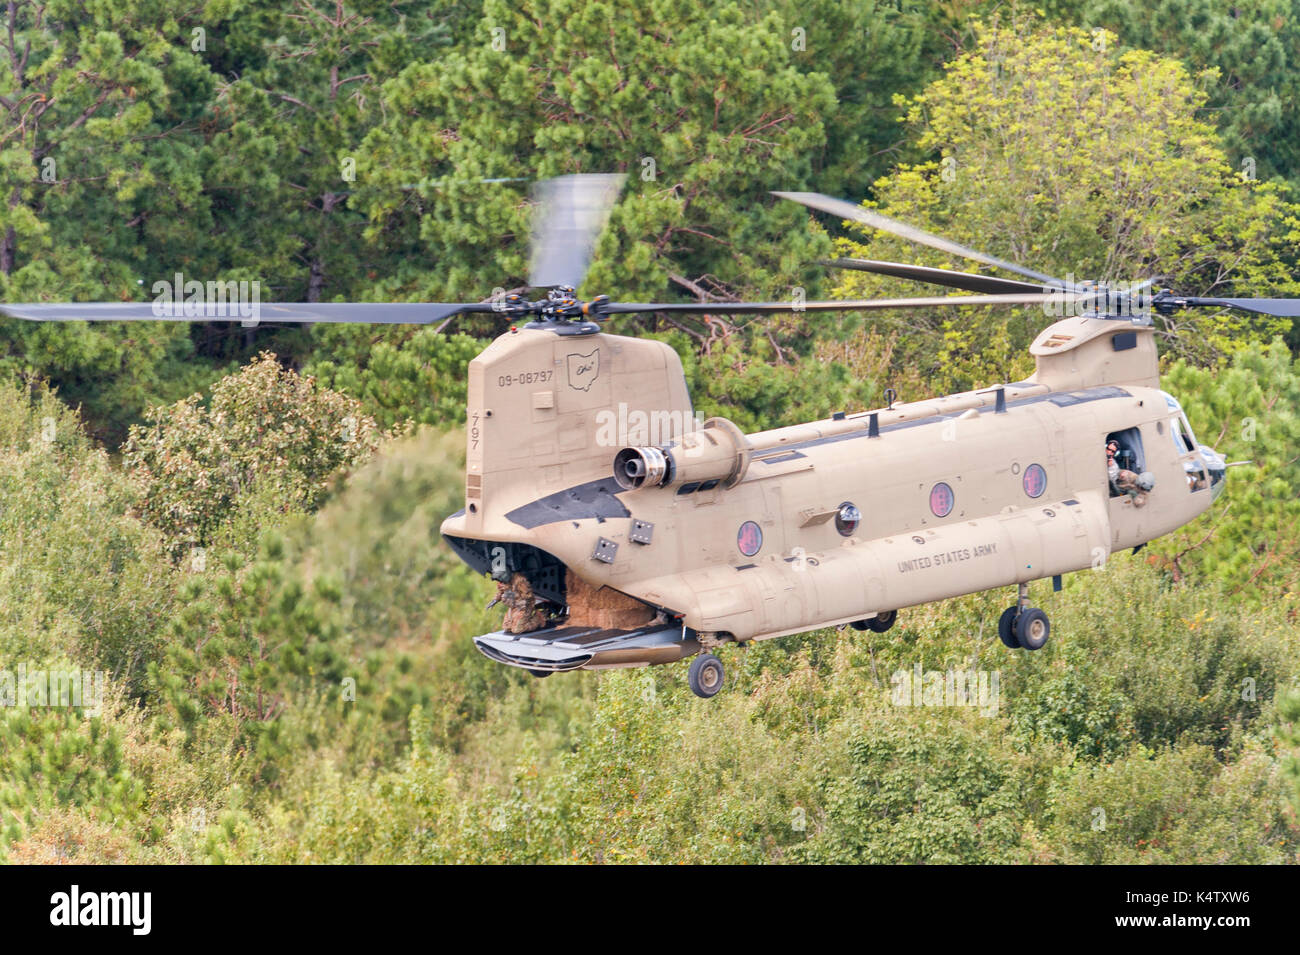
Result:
733,536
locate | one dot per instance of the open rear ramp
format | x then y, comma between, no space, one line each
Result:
588,648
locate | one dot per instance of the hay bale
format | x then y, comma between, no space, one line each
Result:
603,607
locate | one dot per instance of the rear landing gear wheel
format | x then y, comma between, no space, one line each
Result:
1032,628
706,675
541,674
1007,628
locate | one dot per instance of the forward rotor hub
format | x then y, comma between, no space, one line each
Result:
560,306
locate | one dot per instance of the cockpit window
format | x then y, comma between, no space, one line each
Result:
1207,468
1184,440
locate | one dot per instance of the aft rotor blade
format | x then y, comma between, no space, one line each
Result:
752,308
358,313
571,213
971,282
869,217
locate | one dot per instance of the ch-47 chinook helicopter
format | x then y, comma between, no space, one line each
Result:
620,550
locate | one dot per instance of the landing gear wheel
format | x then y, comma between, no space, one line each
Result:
1007,628
877,624
1032,628
706,675
882,621
541,674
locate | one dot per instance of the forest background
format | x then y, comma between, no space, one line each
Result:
238,527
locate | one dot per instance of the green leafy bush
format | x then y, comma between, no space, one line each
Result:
80,577
267,430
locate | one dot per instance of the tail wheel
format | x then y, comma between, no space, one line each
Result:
1007,628
706,675
1032,629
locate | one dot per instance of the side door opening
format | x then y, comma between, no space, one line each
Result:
1128,454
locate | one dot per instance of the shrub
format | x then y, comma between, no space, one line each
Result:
267,431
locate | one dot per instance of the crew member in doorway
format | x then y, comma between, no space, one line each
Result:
1122,480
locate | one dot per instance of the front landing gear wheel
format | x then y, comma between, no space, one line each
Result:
880,623
1007,628
706,675
541,674
1032,629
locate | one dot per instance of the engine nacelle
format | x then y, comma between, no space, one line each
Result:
716,454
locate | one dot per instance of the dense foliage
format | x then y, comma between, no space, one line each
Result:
239,527
266,436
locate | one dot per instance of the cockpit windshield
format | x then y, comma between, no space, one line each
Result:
1179,428
1206,469
1184,440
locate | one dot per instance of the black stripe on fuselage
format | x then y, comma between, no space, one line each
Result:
595,499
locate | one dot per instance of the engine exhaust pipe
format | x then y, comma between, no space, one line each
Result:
634,467
719,452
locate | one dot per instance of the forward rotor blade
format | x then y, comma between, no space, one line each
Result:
971,282
869,217
753,308
360,313
1279,307
571,212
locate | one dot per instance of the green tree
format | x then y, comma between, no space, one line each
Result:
284,165
705,118
80,577
420,375
103,191
270,439
1063,153
1287,735
921,794
761,385
1177,806
55,758
872,51
1249,51
1249,541
247,644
